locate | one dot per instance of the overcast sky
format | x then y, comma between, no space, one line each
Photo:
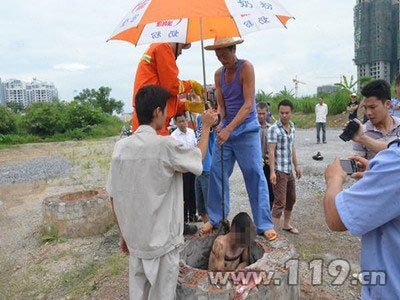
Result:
64,42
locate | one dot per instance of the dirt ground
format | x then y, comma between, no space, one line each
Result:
94,268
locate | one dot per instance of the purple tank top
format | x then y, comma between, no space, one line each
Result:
233,96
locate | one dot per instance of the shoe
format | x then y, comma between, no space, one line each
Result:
190,229
324,142
318,156
318,142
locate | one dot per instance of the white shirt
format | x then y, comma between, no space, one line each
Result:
146,184
188,139
321,111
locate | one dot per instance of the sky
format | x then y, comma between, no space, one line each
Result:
64,42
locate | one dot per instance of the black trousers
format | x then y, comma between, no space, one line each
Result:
189,198
267,173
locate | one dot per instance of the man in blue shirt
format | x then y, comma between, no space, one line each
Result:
201,182
370,209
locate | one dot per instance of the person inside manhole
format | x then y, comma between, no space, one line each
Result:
231,252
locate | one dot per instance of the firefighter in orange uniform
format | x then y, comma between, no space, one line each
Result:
158,66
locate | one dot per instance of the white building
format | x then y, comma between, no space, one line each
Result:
2,94
27,93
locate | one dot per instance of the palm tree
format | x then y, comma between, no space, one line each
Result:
285,93
349,85
262,96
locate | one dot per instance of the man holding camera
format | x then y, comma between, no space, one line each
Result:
370,209
146,190
381,126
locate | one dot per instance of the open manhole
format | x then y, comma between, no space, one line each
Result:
197,283
78,214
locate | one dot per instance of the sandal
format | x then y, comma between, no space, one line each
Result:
291,230
270,234
206,229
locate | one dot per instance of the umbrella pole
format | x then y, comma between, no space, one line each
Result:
203,59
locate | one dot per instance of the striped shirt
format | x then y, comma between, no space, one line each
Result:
278,135
376,134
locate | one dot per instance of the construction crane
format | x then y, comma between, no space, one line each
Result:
296,85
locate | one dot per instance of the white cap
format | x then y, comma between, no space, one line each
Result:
353,95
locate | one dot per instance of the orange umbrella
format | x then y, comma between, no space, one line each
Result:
187,21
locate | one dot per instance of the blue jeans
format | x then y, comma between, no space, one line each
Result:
319,127
201,190
243,146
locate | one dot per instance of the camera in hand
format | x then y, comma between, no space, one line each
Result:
350,130
349,166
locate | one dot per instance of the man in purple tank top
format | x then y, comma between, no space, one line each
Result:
239,134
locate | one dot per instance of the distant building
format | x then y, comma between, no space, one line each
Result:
327,89
26,93
2,94
376,36
126,117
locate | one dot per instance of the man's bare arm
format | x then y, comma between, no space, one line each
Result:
217,257
271,156
245,260
124,247
220,98
248,81
333,219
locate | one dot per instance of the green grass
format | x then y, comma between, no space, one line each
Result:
111,127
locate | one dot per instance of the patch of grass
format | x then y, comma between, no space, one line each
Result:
87,165
50,236
304,121
83,281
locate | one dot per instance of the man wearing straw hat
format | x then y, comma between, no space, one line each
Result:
158,67
239,135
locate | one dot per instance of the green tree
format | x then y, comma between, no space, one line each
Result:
45,119
350,84
285,93
82,115
100,99
7,121
262,96
15,107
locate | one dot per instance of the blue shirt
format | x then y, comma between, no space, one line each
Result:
396,113
207,160
371,209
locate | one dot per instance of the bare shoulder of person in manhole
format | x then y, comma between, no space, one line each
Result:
230,252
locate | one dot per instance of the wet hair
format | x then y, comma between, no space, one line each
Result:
377,88
147,100
286,102
262,105
242,222
179,115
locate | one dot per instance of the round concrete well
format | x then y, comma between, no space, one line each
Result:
78,214
196,283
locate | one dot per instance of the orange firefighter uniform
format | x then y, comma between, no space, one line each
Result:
158,66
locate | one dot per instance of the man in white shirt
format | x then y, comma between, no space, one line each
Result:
188,139
321,111
145,186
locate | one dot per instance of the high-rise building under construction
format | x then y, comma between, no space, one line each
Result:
376,36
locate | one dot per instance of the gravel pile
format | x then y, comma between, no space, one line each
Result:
34,170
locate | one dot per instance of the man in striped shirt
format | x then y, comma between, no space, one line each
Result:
381,125
282,159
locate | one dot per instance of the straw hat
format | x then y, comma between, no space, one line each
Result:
223,43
